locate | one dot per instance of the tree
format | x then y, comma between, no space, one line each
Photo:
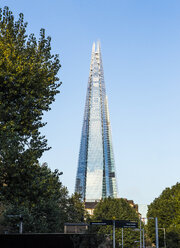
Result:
117,209
167,208
43,202
40,198
76,209
28,85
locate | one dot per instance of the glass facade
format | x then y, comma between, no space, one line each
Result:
96,171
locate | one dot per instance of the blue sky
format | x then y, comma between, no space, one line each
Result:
140,43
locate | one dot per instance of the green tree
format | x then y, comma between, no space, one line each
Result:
76,209
41,199
167,208
117,209
28,85
43,202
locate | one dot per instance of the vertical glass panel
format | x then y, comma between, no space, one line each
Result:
94,175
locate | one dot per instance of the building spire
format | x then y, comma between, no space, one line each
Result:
98,46
93,47
96,178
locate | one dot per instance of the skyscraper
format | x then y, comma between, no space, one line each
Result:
96,172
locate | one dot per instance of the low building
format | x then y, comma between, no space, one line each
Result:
132,204
75,227
90,206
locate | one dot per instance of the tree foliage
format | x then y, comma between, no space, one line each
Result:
76,209
27,76
43,202
167,208
117,209
40,197
28,85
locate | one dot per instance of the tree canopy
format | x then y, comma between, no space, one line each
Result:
43,202
167,209
117,209
40,198
28,86
28,76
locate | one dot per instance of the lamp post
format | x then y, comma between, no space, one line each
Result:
164,230
156,227
122,238
156,230
114,244
143,238
140,236
21,224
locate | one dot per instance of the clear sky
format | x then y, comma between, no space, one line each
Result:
140,43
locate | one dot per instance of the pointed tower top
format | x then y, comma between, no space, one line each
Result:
98,46
93,47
